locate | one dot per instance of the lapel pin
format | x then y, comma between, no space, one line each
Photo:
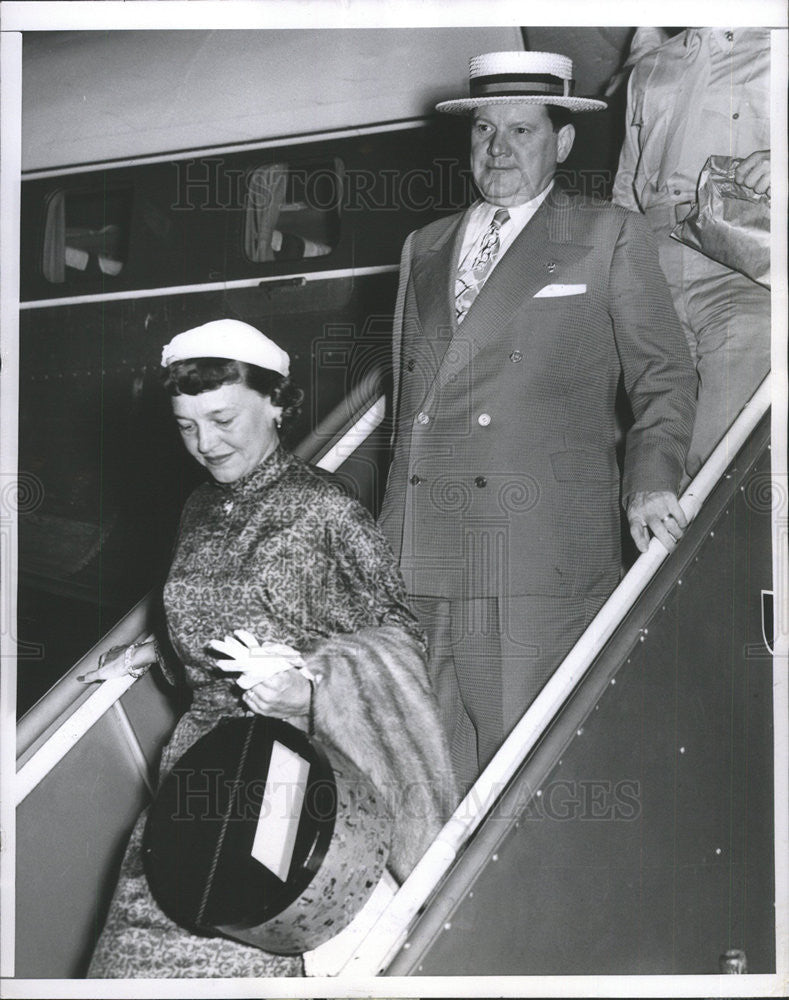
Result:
551,267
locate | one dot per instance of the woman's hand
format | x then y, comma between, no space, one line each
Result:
282,696
116,663
247,655
268,673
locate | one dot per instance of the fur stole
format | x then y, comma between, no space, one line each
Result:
374,702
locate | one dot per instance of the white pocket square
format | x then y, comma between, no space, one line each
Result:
550,291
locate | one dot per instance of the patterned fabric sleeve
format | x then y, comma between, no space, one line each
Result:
365,561
164,666
624,182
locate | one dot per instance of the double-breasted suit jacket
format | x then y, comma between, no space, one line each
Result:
504,477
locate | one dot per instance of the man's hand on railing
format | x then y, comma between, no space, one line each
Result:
118,661
658,512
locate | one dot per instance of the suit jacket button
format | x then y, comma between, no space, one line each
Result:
483,419
480,481
415,480
516,356
422,417
411,364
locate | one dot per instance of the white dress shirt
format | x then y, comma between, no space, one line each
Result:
481,217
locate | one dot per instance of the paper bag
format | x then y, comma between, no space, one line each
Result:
729,222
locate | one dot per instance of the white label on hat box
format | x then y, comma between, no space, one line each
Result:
280,810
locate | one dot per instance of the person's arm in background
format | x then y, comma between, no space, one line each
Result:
623,192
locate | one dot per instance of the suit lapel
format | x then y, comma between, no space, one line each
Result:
435,294
540,255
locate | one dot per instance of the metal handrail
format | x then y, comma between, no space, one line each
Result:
339,422
68,694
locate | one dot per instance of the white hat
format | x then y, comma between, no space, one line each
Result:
521,78
227,338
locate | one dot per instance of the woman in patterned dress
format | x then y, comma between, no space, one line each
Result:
271,552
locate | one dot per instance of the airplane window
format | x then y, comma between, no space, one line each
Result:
86,233
292,212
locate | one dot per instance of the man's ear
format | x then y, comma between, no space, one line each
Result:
564,142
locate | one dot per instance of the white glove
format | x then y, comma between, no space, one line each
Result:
252,660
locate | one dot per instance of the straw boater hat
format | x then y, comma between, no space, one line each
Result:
521,78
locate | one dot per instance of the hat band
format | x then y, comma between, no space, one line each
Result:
520,85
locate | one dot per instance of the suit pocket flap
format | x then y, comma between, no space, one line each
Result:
584,463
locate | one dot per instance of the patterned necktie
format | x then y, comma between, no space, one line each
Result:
471,277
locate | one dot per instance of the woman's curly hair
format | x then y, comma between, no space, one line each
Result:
198,375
